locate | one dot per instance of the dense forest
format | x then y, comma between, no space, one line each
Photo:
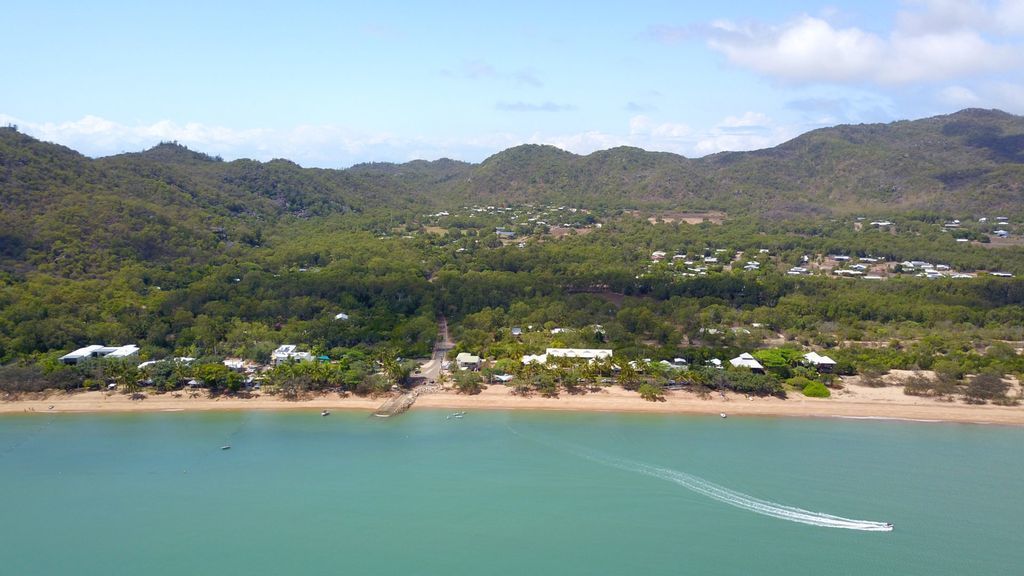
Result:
187,255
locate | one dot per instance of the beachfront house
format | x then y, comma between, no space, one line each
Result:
100,351
822,363
745,360
467,361
588,354
287,352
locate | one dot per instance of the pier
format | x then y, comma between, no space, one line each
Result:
398,404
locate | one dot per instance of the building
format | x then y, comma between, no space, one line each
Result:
745,360
287,352
100,351
822,363
467,361
589,354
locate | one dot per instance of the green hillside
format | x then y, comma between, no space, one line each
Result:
186,254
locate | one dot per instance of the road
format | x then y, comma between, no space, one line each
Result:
431,369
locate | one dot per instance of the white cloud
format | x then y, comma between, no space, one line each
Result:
958,96
748,131
934,40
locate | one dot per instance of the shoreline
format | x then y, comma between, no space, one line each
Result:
853,402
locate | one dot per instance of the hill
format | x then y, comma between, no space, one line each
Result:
73,215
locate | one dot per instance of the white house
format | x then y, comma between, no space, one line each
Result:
745,360
287,352
822,363
100,351
589,354
467,361
341,316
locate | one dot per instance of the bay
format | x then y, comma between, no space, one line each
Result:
503,493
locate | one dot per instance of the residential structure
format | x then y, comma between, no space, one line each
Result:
467,361
745,360
287,352
100,351
822,363
589,354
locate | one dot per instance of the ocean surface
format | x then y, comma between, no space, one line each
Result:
506,493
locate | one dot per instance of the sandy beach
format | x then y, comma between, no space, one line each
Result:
853,401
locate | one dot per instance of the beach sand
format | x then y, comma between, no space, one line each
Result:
853,401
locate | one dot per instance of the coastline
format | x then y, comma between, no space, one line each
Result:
853,402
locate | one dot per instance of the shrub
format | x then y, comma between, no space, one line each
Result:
816,390
651,393
919,385
467,382
799,382
986,386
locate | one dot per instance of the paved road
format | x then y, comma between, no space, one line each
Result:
430,369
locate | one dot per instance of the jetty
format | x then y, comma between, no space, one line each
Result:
397,404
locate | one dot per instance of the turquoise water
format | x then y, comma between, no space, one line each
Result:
502,493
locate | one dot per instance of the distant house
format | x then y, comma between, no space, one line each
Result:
589,354
517,332
100,351
467,361
675,364
745,360
502,233
658,255
287,352
503,378
822,363
341,316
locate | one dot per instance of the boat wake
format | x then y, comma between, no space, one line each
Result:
740,500
733,498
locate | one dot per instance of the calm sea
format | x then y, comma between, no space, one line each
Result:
506,493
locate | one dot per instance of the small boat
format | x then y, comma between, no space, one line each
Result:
889,525
227,447
325,413
723,415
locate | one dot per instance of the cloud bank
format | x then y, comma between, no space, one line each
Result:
932,41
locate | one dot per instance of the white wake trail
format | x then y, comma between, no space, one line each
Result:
734,498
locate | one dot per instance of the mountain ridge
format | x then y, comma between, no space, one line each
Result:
962,162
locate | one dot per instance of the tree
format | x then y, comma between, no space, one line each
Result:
651,392
467,382
986,386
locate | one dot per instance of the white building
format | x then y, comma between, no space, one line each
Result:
822,363
287,352
745,360
589,354
467,361
100,351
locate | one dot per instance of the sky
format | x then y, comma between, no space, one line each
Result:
332,84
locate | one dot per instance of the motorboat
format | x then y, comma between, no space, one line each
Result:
227,447
325,413
723,415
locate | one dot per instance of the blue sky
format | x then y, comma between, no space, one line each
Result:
336,83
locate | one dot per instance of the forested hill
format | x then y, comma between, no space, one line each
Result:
965,162
961,163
